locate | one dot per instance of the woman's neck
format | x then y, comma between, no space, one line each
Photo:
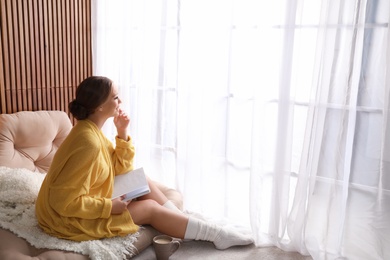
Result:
97,120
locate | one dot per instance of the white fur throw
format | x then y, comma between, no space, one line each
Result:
18,191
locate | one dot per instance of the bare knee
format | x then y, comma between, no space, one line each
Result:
142,211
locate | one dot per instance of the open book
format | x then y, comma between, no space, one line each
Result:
131,185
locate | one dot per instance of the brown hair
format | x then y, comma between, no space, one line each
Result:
90,94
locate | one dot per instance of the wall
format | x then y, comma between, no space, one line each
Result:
45,53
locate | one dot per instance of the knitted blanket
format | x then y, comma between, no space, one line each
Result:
18,192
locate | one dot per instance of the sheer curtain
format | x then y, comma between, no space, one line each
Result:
271,114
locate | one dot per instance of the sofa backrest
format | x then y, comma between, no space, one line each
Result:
30,139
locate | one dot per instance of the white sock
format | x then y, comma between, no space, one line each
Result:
221,237
170,205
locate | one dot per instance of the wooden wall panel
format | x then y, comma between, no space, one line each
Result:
45,52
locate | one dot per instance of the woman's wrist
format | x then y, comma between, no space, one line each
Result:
122,134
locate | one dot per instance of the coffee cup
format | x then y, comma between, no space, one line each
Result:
165,246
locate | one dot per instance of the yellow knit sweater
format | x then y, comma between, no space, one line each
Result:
74,201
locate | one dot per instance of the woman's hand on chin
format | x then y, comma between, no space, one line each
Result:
121,122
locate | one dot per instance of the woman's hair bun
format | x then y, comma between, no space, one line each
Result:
78,110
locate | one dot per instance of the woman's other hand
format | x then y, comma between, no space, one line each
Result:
118,206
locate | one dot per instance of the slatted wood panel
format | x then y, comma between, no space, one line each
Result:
45,53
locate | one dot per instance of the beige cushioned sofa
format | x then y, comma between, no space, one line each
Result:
29,140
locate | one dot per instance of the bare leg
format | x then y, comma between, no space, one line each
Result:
149,212
155,193
179,225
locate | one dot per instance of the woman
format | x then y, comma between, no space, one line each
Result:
74,201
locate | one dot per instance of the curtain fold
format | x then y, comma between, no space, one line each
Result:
271,114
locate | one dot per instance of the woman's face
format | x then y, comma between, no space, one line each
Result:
111,106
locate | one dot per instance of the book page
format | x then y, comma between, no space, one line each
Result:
131,184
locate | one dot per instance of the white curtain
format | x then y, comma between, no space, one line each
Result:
271,114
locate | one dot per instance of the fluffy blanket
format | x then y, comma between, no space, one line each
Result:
18,191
